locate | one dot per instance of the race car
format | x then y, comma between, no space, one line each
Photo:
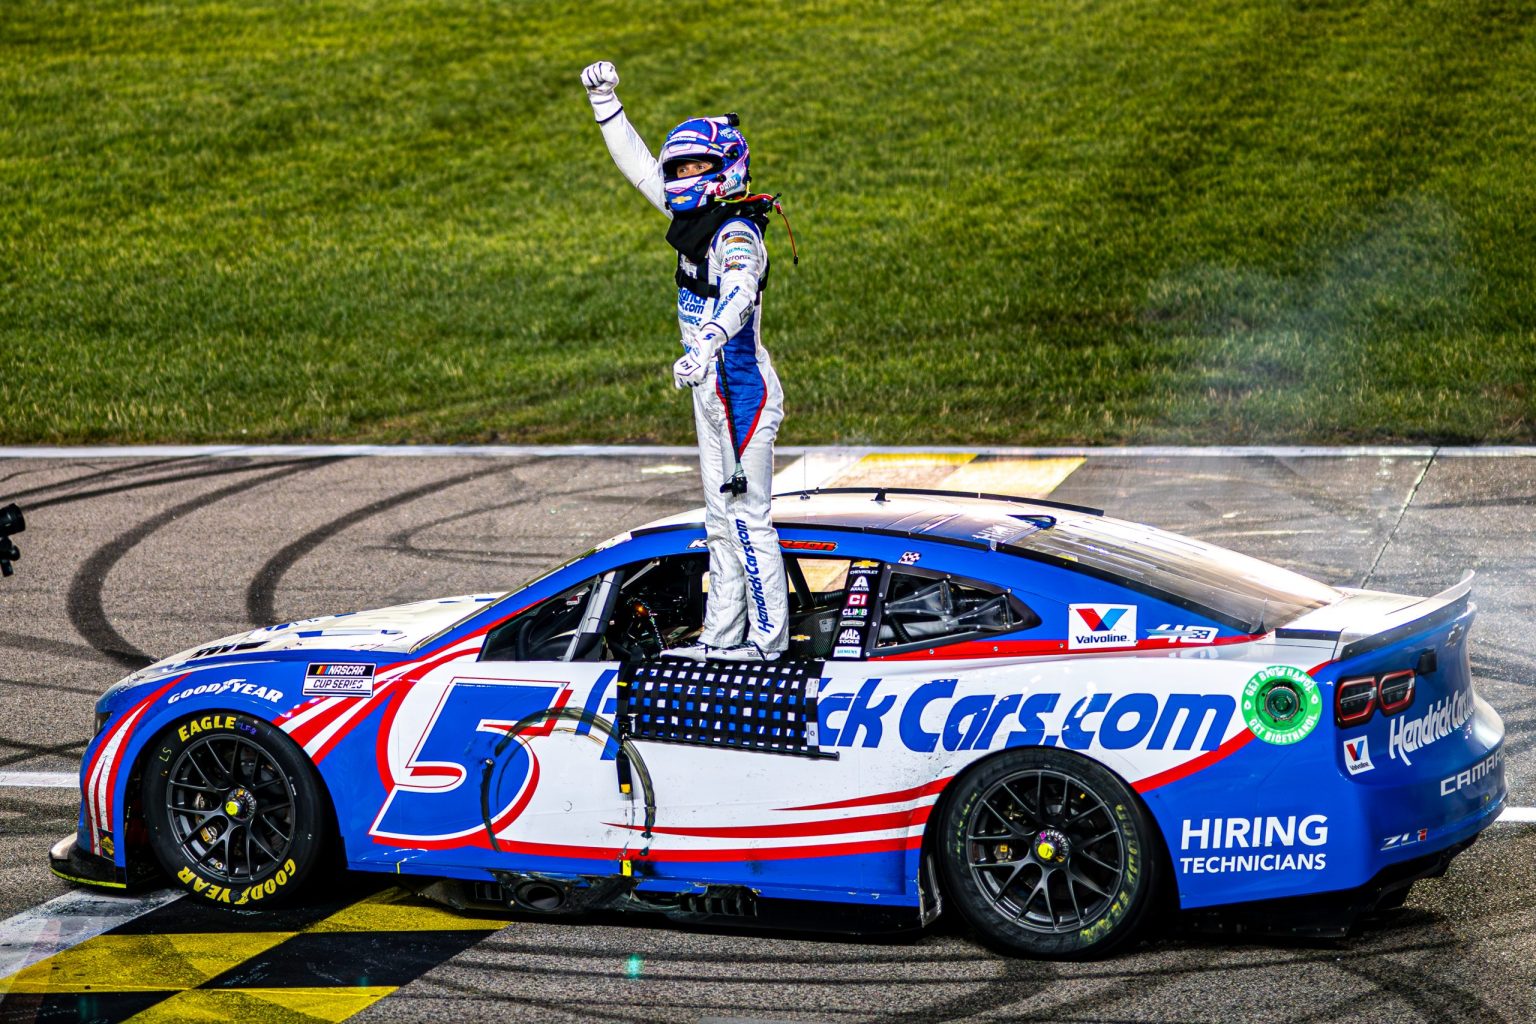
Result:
1048,719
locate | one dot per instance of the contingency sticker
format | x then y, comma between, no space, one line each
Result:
1100,625
1282,705
853,626
339,679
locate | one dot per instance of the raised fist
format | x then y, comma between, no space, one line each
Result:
600,78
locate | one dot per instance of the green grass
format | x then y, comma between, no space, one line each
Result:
1077,222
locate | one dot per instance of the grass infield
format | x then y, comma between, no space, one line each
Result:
1077,222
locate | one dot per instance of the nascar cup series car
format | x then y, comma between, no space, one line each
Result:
1040,716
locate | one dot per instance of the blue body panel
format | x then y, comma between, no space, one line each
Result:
1419,795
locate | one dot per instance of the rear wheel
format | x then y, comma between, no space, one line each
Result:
234,811
1048,854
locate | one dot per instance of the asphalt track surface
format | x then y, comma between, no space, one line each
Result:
128,559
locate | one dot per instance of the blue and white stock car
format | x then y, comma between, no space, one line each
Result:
1036,714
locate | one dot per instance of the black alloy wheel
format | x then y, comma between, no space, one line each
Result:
1048,854
234,811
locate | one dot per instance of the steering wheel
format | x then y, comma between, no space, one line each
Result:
639,637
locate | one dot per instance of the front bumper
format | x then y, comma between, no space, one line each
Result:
73,864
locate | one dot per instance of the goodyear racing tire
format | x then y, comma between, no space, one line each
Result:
1047,854
234,811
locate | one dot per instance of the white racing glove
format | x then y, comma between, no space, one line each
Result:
693,365
689,370
600,80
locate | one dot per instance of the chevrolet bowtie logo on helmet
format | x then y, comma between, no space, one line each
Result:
705,159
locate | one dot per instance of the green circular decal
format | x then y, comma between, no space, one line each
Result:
1282,705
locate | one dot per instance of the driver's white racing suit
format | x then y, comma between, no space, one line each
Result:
736,416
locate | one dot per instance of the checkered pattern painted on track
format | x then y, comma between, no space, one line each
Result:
188,962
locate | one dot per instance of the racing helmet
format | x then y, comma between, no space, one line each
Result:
716,141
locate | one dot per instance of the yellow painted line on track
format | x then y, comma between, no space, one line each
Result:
395,910
1023,475
140,963
952,471
267,1005
901,469
1034,478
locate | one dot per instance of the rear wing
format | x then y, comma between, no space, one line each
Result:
1386,628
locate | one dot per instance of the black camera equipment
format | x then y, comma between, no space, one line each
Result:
11,522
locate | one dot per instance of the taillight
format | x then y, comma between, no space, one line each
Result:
1354,700
1396,691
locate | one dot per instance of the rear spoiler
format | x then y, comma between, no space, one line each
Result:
1390,627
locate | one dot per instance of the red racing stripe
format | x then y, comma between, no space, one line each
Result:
826,827
900,796
696,856
1025,648
478,837
1195,764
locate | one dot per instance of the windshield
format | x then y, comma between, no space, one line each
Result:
480,609
1255,595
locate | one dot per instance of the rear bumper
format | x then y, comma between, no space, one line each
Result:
1325,915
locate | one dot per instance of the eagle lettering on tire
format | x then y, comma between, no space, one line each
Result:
234,811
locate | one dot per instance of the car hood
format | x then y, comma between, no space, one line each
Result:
394,630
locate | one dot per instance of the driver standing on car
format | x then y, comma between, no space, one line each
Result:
700,184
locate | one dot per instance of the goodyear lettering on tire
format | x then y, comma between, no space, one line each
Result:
223,894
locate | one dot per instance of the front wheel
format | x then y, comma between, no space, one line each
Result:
234,811
1047,854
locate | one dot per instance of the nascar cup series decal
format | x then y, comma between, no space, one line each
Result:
339,679
1100,625
1281,705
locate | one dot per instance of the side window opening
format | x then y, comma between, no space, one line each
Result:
660,605
543,632
816,596
924,608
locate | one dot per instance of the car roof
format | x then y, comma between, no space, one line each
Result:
972,518
1243,592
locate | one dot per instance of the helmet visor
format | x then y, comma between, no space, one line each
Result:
690,165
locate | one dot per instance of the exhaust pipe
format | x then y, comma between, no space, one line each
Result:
539,896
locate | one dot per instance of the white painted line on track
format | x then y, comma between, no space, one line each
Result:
852,452
68,920
1517,815
41,780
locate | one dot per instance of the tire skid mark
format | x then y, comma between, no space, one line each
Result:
86,612
30,817
245,467
404,541
588,1010
29,751
42,645
621,1011
129,469
261,593
1018,979
901,951
1431,997
89,691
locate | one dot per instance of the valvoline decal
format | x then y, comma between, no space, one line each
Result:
1123,721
